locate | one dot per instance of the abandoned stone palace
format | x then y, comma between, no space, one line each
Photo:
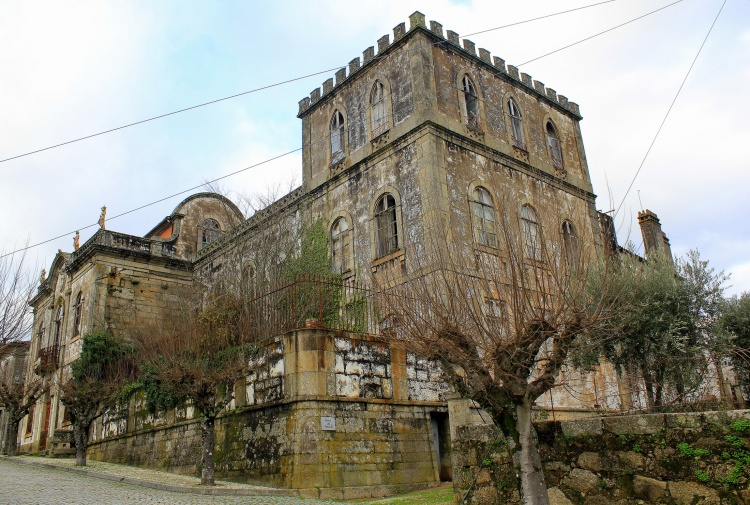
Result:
422,139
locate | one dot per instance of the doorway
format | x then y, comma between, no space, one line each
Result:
441,442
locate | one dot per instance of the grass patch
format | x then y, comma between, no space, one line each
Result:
442,495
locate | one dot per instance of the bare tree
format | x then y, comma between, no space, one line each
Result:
198,355
501,315
16,288
17,397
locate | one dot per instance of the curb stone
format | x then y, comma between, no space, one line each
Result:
156,485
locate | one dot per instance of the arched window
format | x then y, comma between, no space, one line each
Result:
337,137
341,246
531,232
553,141
58,324
77,318
516,130
570,242
386,228
211,231
472,104
484,218
379,117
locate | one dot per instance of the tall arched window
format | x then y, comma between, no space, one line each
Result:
484,218
472,104
386,228
78,310
58,324
531,232
341,246
337,137
516,131
570,242
553,141
211,231
377,102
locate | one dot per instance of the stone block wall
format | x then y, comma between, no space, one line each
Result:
677,459
336,421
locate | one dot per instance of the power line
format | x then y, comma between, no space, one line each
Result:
670,107
536,19
600,33
153,203
295,150
263,88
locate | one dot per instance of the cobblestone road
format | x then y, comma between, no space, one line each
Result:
29,485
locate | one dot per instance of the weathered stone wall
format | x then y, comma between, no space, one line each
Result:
680,459
324,412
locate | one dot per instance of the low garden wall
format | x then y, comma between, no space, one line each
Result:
683,459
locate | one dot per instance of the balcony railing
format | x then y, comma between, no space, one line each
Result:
312,301
47,359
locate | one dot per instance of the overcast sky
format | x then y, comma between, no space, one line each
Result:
74,68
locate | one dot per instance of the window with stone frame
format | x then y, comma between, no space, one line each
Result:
570,242
379,110
471,103
497,316
30,421
483,217
553,142
77,317
516,125
386,227
210,231
59,315
337,137
532,233
341,246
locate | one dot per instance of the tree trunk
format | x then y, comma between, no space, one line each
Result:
533,487
81,434
207,458
11,436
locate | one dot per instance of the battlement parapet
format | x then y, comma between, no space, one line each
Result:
417,21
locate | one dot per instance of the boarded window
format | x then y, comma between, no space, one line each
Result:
379,117
386,228
341,246
553,142
531,232
516,130
570,242
484,218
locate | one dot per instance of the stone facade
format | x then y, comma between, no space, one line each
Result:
395,152
13,367
323,410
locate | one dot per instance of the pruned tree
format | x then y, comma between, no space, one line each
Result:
16,288
502,320
16,398
197,355
93,384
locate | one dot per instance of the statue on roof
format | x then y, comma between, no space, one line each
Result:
43,276
103,217
76,240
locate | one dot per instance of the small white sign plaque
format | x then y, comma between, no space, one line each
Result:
328,423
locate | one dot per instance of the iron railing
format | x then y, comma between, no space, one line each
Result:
313,301
47,359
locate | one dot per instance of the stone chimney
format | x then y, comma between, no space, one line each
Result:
653,237
609,236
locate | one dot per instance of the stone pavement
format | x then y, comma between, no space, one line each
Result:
26,480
